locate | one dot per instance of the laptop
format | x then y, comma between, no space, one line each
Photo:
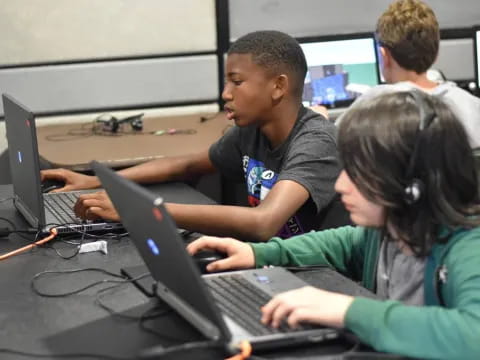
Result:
223,306
476,50
340,69
41,211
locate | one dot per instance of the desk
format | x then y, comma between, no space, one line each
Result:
73,146
75,324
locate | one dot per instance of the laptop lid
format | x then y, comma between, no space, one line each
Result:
476,42
25,169
148,222
24,163
339,69
155,235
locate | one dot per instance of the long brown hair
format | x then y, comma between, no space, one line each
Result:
376,143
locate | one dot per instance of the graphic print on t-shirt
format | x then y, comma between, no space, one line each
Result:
260,181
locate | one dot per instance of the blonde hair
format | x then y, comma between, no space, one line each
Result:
409,30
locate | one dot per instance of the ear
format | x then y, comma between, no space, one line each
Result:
386,56
281,86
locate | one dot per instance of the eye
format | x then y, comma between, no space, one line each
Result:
237,82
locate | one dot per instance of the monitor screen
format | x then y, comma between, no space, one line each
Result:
339,70
477,56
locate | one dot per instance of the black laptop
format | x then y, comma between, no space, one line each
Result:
41,211
223,306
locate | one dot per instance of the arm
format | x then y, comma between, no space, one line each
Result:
426,332
175,168
341,248
257,224
323,247
254,224
451,332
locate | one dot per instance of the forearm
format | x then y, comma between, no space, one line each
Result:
337,248
427,332
177,168
240,222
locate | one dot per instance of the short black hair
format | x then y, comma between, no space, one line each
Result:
275,51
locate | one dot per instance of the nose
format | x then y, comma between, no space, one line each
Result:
342,183
226,93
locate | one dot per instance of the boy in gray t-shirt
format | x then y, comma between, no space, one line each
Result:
307,157
288,154
408,39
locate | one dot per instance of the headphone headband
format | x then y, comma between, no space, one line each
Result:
415,187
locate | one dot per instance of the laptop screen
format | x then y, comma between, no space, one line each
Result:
24,162
339,70
477,56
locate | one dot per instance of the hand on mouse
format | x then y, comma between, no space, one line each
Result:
95,205
239,254
72,180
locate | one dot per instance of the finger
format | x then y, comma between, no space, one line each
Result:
83,203
93,213
62,189
205,243
298,316
282,311
267,310
94,195
56,174
225,264
79,209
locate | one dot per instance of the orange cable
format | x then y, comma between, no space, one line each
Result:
245,351
53,233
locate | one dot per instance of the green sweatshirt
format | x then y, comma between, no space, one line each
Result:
432,331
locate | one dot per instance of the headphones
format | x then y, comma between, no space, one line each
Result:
111,124
415,187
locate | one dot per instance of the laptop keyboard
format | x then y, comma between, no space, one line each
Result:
61,206
241,301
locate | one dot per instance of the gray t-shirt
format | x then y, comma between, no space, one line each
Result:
399,276
464,105
308,156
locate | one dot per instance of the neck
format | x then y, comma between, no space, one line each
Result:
402,245
281,122
419,80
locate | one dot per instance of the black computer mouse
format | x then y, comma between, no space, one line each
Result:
204,257
51,184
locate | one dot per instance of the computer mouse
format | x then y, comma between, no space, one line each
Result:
204,257
51,184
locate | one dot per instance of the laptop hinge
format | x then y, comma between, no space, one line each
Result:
24,210
197,320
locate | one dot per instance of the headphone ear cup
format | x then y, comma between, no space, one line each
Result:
137,124
414,191
110,125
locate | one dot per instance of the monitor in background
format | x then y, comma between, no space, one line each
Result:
476,37
339,70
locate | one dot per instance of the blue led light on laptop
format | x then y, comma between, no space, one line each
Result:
153,247
263,279
19,157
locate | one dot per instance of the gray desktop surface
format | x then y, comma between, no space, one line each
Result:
76,324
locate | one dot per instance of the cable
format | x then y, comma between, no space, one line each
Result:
73,228
60,356
75,253
14,230
99,302
53,233
210,117
159,352
245,351
73,292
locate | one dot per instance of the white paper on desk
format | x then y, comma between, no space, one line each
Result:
100,245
